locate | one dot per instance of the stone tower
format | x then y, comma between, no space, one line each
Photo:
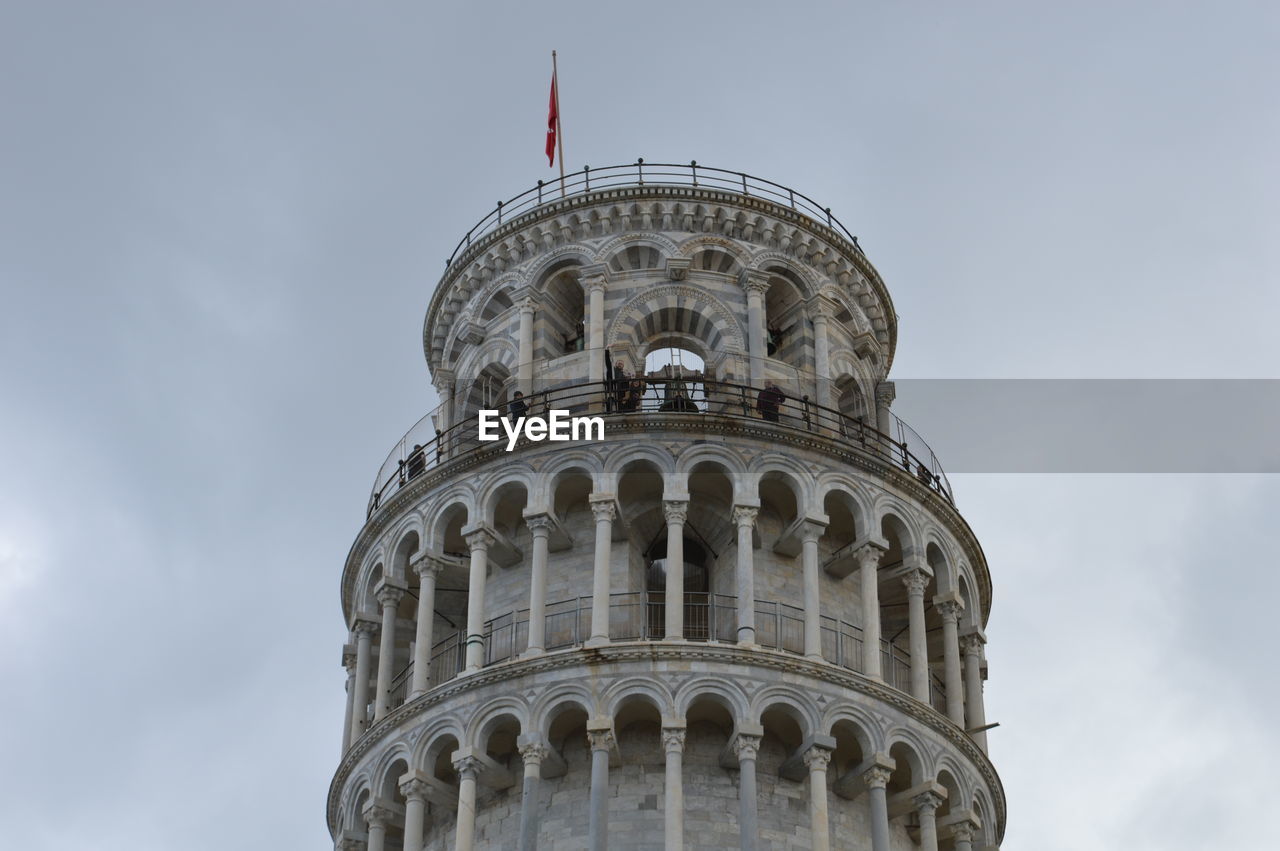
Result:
749,616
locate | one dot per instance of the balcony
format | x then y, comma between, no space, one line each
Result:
643,174
678,404
640,616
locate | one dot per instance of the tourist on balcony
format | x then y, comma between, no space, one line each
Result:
768,401
518,408
630,390
417,463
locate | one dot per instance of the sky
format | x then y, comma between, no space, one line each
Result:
220,227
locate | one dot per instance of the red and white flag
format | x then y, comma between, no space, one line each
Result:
553,123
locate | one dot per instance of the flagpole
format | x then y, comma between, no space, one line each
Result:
555,83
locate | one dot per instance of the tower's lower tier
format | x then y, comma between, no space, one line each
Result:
666,745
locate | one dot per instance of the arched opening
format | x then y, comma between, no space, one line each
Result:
784,318
697,588
676,375
851,402
451,596
488,390
895,615
563,315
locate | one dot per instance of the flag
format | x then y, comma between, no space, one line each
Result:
553,123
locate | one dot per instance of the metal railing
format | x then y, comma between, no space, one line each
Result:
658,401
641,616
641,173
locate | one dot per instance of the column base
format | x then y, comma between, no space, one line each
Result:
815,657
533,651
596,641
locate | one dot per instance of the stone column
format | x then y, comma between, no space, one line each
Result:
601,742
479,541
950,608
885,393
596,280
916,580
821,350
809,534
877,779
604,509
817,759
364,630
745,518
349,662
926,807
756,283
676,511
428,570
414,788
389,596
673,791
963,833
524,370
540,527
747,747
377,817
533,754
465,832
975,715
868,556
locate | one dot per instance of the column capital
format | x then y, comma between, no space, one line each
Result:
364,626
675,510
870,551
916,581
877,777
820,307
971,641
467,766
528,305
539,524
886,392
926,803
594,276
673,739
533,753
745,515
600,740
389,592
817,758
746,746
678,268
755,281
812,529
349,659
378,813
427,565
603,507
963,831
414,785
950,607
479,538
350,843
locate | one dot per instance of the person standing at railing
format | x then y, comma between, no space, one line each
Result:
417,463
768,401
518,408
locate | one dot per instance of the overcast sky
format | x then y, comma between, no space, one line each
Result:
221,223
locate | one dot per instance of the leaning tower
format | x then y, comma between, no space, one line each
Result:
748,615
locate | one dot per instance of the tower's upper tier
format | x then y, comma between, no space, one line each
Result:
694,242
